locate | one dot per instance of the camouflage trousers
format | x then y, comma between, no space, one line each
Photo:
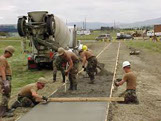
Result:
62,70
91,67
24,101
73,73
4,97
130,96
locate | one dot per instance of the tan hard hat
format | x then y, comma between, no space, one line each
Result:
61,51
10,49
42,80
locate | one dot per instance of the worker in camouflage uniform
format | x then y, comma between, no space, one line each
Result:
28,96
5,81
59,64
72,70
87,56
130,79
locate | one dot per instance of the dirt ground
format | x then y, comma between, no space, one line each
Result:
147,67
102,85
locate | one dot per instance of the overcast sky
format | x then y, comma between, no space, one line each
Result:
124,11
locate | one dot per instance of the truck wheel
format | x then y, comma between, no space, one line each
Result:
21,27
50,25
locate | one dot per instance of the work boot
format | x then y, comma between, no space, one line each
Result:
12,110
63,79
54,78
91,81
8,114
75,87
3,110
15,105
71,86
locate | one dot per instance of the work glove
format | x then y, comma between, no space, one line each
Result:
45,98
6,87
116,83
84,68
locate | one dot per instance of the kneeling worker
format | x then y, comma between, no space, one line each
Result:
130,78
28,96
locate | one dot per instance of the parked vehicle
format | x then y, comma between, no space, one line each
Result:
47,33
83,32
124,36
150,33
104,37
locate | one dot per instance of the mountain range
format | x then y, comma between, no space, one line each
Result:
95,25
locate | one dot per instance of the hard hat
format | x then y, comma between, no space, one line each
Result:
125,63
84,47
42,80
61,51
10,49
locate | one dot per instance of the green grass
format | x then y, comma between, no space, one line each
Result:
11,38
21,75
152,46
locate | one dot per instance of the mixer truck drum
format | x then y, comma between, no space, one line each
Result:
21,27
50,25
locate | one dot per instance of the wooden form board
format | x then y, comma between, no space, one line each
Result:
86,99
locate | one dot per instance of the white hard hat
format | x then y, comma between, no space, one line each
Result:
125,63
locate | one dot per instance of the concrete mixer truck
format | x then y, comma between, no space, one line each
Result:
47,33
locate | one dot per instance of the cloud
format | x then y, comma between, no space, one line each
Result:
77,10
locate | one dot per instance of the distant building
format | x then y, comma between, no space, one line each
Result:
83,32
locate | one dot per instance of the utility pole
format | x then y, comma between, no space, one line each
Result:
114,26
66,21
85,24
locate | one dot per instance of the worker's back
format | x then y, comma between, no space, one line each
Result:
26,90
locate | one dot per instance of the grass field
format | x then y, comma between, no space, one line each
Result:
21,75
152,46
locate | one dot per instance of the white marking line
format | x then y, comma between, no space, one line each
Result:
114,76
103,50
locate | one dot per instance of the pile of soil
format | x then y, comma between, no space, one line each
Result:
101,87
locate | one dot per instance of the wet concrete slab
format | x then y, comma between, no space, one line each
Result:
67,111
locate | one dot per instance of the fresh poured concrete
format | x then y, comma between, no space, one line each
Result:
68,111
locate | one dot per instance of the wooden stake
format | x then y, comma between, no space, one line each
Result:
86,99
